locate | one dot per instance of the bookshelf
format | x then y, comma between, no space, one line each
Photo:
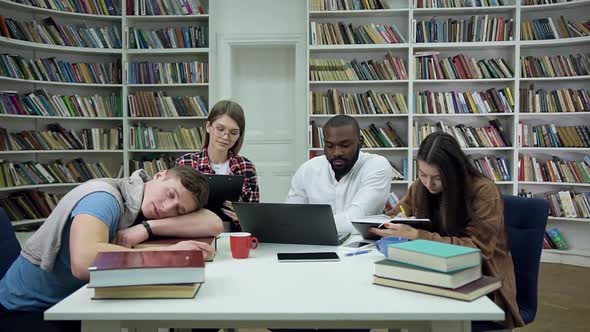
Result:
195,48
404,15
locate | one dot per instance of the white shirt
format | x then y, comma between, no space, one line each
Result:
221,169
361,192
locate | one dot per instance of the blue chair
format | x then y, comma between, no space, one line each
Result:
526,220
9,246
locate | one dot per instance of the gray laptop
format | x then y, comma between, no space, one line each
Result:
290,223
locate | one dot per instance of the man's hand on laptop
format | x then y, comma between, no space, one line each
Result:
229,211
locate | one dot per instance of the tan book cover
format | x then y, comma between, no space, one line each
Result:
468,292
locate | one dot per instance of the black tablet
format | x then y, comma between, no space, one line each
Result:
223,188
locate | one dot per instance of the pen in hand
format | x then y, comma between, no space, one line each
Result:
360,252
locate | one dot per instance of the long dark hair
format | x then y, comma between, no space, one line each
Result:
450,210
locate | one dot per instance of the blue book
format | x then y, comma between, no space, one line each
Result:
434,255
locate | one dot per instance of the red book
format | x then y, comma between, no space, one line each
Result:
127,268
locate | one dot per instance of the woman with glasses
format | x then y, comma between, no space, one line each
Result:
220,154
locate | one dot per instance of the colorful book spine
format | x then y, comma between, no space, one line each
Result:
557,239
554,101
153,138
457,3
549,28
168,37
165,7
348,34
55,70
332,5
569,204
369,102
49,32
554,170
168,72
391,68
455,102
158,104
553,136
555,66
385,136
428,66
467,136
475,29
497,169
40,103
94,7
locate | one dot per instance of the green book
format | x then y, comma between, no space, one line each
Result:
434,255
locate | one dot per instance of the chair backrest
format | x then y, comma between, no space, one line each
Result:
9,246
525,220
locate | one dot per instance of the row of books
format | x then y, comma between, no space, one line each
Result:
554,136
331,5
31,173
168,37
347,34
142,138
543,2
555,66
392,68
556,101
368,102
457,3
554,239
434,268
471,102
29,205
427,66
373,136
151,167
158,104
51,33
168,72
467,136
545,28
54,70
554,170
475,29
569,204
59,138
95,7
495,168
164,7
40,103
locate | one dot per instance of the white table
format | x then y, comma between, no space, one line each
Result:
261,292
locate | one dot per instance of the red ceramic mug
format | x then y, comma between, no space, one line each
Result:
241,243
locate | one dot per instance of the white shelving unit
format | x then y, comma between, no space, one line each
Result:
402,15
114,159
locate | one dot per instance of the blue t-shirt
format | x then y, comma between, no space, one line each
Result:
27,287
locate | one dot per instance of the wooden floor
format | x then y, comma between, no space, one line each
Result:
564,300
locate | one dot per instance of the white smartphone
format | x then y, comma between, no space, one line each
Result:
359,245
308,257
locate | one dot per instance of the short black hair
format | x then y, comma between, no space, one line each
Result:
341,121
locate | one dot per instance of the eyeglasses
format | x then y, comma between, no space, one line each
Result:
220,131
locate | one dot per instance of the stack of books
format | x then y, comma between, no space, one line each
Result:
435,268
147,274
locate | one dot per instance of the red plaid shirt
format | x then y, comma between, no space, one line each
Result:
238,165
